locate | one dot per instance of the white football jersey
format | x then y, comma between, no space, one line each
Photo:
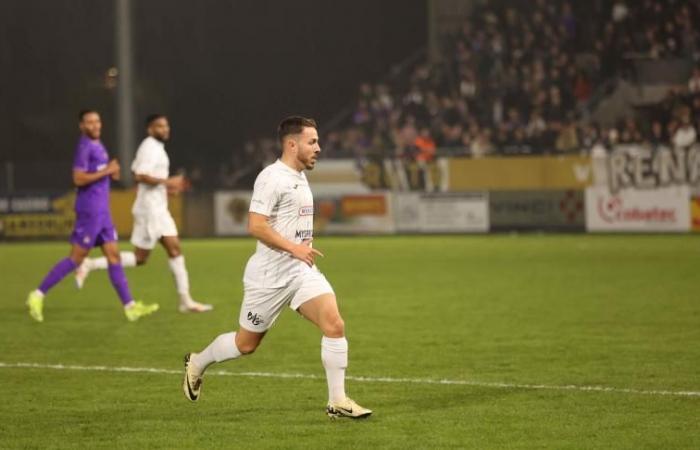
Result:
151,159
282,194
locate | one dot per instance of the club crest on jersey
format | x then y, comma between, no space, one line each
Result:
306,211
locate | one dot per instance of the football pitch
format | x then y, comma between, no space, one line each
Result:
502,341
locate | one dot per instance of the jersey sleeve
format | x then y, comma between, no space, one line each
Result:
145,161
265,195
81,159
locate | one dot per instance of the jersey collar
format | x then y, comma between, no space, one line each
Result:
287,168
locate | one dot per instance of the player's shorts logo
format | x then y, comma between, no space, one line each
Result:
255,319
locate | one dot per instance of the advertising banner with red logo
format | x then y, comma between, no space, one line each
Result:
662,209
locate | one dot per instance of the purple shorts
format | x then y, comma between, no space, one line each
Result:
93,229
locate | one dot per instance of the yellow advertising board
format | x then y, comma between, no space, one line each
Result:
52,215
519,173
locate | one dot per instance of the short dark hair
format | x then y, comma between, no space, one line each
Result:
152,118
84,112
294,125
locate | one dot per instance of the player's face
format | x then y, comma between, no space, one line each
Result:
308,148
160,129
91,125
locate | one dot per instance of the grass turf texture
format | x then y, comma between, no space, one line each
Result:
616,311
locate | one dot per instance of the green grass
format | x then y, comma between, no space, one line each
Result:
613,311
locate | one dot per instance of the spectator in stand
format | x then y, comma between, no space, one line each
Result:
685,135
482,146
425,146
590,136
567,141
514,74
694,82
630,132
582,88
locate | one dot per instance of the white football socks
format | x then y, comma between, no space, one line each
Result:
128,260
223,348
334,355
182,280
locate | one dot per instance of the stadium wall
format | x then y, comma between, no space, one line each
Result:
633,189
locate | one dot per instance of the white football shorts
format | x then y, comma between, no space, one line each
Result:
148,229
262,306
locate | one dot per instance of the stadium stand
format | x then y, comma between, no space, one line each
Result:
521,78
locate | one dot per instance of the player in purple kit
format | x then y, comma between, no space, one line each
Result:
92,171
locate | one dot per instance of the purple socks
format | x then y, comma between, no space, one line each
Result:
59,272
118,279
66,266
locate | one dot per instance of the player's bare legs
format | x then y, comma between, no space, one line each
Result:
225,347
59,271
134,310
139,257
127,259
116,273
248,341
78,254
323,312
176,262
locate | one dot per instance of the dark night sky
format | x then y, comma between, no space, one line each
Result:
224,71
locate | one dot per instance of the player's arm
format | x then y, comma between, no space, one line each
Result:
176,182
83,178
259,228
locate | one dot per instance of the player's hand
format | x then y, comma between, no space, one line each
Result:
114,169
175,184
304,252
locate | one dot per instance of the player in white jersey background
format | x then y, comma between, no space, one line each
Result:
282,271
153,222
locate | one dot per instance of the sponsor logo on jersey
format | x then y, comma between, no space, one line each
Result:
304,234
306,210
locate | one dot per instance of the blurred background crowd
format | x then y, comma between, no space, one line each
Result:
520,78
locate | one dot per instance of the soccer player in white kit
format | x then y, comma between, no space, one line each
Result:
282,272
152,220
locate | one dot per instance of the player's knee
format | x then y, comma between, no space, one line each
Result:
113,260
246,348
334,327
141,260
77,259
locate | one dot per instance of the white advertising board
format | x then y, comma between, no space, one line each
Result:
442,213
662,209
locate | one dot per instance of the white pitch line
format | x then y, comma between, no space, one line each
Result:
487,384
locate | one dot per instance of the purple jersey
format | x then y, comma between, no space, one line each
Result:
91,156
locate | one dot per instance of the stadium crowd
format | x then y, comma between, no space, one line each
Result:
515,78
